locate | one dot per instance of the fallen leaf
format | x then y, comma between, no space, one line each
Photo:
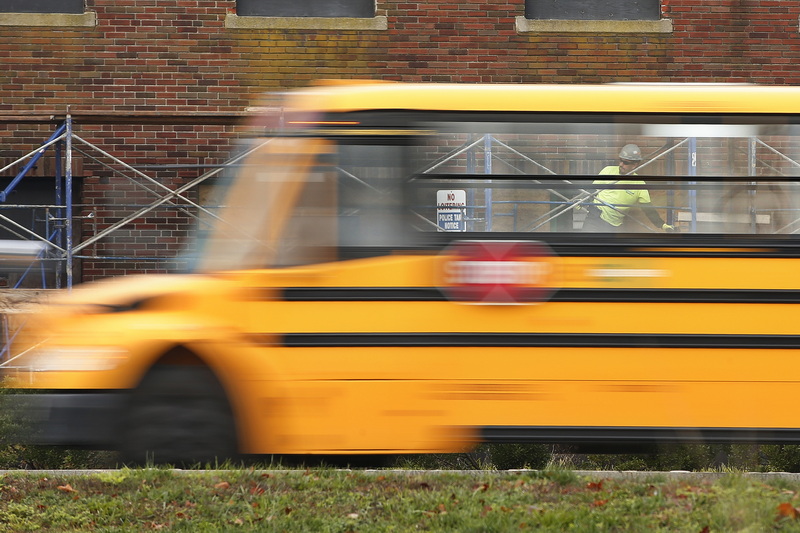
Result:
66,488
787,510
595,486
599,503
483,487
222,485
352,515
705,530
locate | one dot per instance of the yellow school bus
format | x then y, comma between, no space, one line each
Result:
411,268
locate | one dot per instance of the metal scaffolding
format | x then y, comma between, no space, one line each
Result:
59,245
52,246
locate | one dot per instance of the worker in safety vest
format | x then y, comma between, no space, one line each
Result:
609,206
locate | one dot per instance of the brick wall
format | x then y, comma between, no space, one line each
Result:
176,57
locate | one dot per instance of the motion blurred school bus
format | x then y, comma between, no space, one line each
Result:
402,268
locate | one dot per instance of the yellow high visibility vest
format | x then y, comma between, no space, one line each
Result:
621,199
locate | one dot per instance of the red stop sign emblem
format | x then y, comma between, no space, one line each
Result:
497,272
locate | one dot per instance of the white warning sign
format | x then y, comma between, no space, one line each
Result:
451,210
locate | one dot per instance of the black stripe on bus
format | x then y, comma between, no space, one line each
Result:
607,246
637,435
362,294
431,294
537,340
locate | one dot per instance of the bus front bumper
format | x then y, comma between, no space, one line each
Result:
90,420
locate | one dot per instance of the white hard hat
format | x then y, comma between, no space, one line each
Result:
630,152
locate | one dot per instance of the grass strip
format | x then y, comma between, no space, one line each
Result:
338,501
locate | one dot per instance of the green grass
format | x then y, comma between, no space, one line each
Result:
323,500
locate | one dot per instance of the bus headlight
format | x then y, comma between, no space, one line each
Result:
76,359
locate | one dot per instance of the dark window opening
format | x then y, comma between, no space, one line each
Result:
306,8
43,221
593,10
42,6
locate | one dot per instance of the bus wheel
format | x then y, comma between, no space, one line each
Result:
179,415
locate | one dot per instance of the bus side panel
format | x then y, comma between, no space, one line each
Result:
442,396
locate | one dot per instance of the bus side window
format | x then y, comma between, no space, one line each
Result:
310,234
370,197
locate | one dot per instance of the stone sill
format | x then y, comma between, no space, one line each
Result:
305,23
593,26
86,20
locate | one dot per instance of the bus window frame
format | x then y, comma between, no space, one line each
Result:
390,126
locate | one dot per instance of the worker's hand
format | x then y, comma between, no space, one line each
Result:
668,228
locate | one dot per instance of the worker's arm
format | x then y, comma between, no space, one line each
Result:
655,218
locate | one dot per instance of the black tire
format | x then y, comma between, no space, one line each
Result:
180,416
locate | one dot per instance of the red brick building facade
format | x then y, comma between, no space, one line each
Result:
161,84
